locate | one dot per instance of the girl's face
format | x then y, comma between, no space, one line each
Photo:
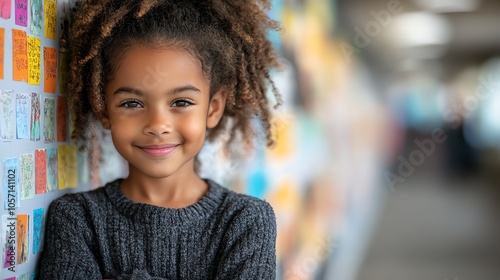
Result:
158,109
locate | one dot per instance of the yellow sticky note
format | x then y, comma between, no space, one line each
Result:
19,56
34,63
67,166
50,13
72,175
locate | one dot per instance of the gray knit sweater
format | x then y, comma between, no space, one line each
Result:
102,234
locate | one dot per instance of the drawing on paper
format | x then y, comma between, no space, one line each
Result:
7,115
23,115
49,119
51,169
27,182
36,17
35,117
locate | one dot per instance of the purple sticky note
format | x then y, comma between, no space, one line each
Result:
22,12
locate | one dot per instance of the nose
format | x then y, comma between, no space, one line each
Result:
157,123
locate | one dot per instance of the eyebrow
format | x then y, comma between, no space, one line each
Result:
174,91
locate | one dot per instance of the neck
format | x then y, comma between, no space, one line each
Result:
180,189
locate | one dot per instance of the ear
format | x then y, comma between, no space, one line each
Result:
216,108
106,123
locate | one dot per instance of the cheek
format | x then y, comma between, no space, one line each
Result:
122,130
194,128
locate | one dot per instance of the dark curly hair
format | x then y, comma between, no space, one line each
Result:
229,37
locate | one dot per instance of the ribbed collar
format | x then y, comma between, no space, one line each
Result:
147,213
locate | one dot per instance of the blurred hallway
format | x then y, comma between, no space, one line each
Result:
437,228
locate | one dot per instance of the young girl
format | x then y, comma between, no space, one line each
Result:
162,76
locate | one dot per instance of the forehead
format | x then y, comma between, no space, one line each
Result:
140,63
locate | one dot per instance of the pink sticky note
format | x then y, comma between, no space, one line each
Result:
21,12
5,8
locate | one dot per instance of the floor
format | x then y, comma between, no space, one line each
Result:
433,228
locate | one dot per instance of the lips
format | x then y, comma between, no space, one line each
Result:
158,150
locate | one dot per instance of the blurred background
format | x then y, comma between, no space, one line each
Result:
387,161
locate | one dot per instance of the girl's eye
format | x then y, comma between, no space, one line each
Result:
131,104
182,103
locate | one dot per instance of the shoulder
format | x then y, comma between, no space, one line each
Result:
80,202
242,209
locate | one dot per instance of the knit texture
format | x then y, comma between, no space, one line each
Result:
103,234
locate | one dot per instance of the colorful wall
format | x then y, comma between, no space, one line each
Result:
39,162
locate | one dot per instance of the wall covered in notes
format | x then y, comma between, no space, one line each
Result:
39,163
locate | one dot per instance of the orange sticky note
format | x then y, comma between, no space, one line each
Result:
22,238
19,55
2,41
50,14
49,69
34,61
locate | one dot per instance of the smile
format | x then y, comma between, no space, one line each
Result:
159,151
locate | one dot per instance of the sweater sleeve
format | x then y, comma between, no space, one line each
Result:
250,245
67,251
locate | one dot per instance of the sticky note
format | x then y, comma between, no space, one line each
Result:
12,175
49,119
7,115
36,17
23,115
40,171
52,169
5,8
38,229
21,12
19,55
50,13
22,238
62,130
49,69
67,167
35,117
2,51
27,183
34,61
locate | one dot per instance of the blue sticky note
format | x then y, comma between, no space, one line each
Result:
38,229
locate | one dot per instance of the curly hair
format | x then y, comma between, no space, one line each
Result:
229,37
